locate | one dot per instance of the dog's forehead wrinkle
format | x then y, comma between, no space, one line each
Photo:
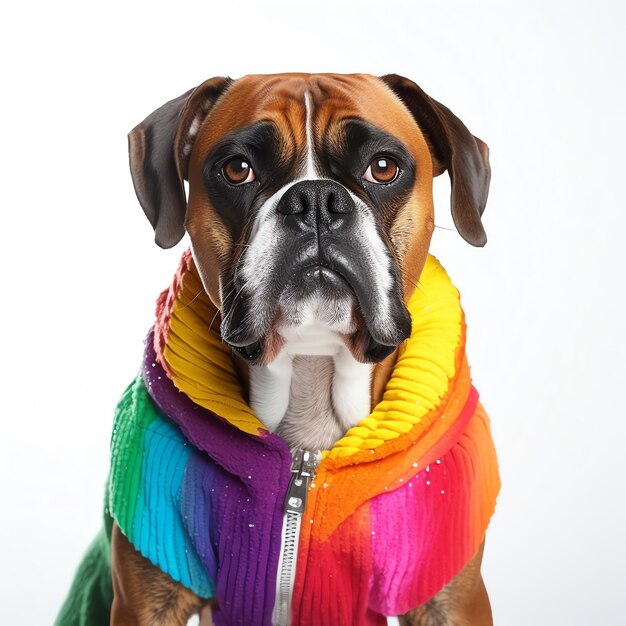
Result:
310,171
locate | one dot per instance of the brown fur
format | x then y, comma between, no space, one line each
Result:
143,594
463,602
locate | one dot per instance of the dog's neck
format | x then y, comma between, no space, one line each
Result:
313,392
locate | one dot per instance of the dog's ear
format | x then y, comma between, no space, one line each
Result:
159,149
455,149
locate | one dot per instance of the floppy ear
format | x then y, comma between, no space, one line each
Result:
455,149
159,149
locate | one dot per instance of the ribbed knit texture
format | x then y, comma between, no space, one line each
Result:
91,595
231,501
398,506
401,547
149,456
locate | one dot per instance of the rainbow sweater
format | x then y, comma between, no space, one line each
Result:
397,508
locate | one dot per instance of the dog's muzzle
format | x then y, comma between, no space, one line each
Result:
321,254
317,209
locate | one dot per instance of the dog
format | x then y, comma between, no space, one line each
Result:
310,215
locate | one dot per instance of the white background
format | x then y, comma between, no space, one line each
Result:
541,82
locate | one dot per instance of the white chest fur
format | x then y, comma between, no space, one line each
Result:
314,390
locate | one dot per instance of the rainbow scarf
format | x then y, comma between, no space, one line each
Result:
398,506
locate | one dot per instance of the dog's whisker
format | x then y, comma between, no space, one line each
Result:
193,299
410,278
213,319
238,294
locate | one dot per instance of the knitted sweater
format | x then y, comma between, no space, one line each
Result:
398,506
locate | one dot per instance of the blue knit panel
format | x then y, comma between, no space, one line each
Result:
159,531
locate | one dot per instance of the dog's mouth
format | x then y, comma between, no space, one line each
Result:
251,352
364,347
344,304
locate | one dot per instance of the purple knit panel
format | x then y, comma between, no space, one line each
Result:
198,511
245,498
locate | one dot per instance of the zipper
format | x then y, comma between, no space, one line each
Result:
303,466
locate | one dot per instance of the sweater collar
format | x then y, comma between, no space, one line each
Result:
188,346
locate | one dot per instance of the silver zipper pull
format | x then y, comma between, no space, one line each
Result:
303,468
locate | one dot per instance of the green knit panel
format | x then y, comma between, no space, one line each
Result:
134,413
91,595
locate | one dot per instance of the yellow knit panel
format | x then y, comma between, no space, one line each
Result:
425,365
200,363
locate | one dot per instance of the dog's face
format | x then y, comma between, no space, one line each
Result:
310,202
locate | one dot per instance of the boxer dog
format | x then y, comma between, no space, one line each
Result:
310,214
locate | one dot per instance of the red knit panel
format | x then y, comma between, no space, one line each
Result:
335,589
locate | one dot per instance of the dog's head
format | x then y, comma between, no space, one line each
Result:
310,202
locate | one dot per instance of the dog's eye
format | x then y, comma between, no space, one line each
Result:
238,171
381,170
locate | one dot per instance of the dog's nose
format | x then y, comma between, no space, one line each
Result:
312,202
